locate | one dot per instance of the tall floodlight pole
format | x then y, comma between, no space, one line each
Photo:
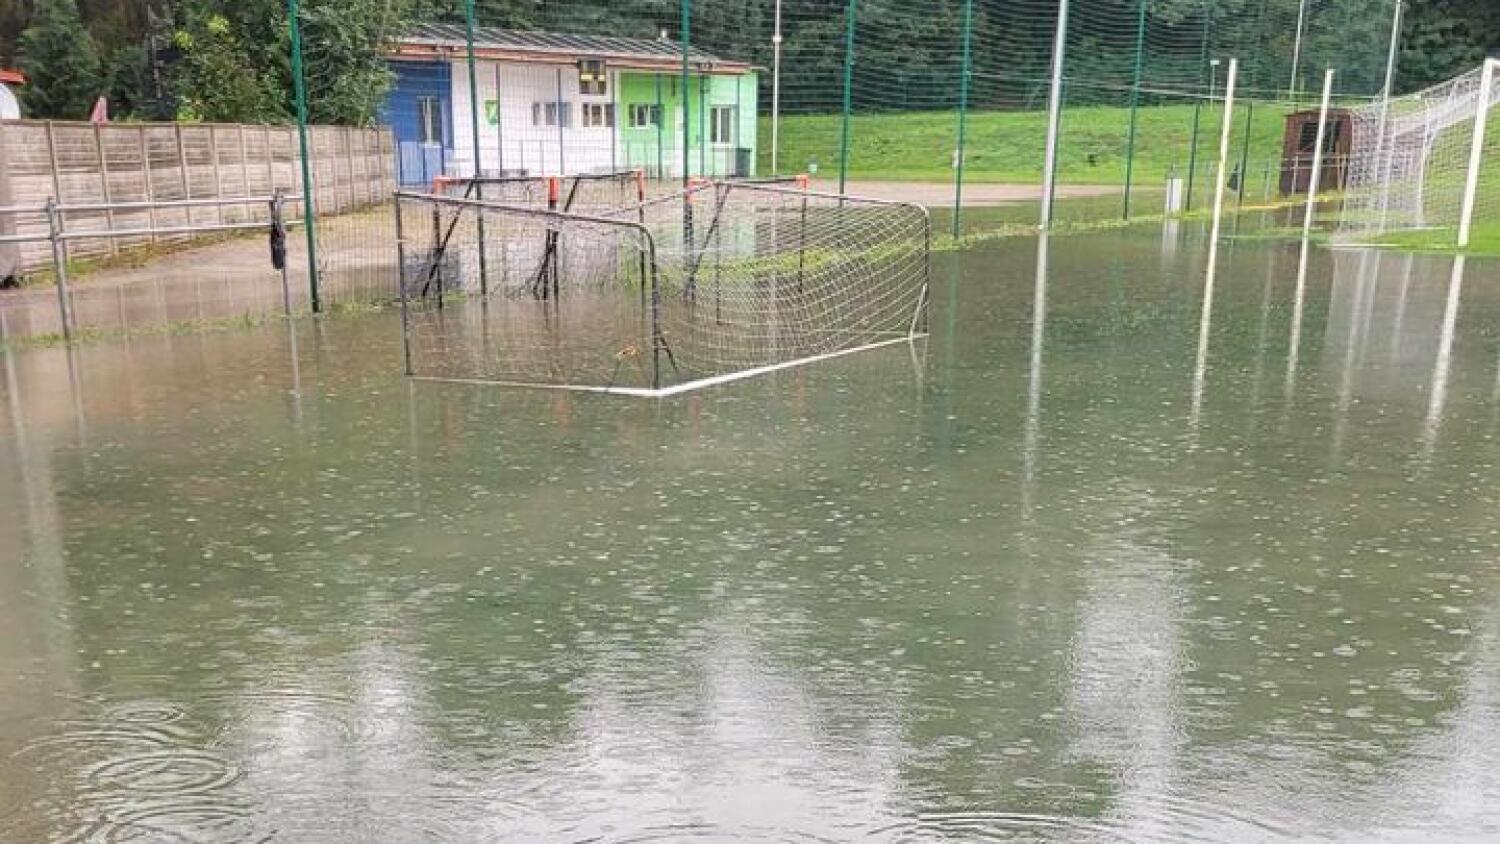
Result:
1382,152
484,287
1297,49
473,80
963,116
309,214
1314,182
776,92
687,144
1054,112
1135,99
849,15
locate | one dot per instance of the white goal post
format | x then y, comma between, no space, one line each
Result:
654,296
1427,160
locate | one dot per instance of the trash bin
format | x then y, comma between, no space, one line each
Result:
1176,190
742,163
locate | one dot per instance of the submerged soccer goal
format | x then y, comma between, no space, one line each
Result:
1428,160
655,295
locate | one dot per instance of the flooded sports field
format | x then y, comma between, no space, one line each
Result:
1085,564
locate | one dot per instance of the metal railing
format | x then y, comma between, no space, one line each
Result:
58,234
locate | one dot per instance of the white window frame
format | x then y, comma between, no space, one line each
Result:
428,109
546,114
716,133
598,115
645,115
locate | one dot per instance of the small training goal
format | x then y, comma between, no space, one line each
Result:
1427,161
590,283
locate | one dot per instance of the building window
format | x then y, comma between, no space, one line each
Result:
721,120
552,114
430,120
591,77
643,116
598,115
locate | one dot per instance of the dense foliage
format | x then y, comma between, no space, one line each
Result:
223,60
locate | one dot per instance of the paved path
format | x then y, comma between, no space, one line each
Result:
976,194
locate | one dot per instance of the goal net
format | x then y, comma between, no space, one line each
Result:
584,193
1411,161
656,296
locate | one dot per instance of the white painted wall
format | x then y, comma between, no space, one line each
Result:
518,143
10,108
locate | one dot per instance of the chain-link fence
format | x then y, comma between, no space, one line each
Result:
973,108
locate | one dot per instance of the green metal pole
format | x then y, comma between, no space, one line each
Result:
1193,156
1245,152
1135,100
661,129
484,285
1198,108
963,115
473,79
687,142
309,213
849,16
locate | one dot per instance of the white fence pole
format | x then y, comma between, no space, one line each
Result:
1315,179
1382,151
1476,151
1054,112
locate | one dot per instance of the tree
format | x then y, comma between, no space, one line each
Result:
217,78
61,62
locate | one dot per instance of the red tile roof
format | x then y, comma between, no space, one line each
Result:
14,77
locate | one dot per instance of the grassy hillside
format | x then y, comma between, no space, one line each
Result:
1007,146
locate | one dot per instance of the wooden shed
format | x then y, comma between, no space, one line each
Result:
1298,147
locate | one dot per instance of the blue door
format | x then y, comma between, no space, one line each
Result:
419,111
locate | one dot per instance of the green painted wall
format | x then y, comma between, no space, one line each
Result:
639,145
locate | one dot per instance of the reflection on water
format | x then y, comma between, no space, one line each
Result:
258,587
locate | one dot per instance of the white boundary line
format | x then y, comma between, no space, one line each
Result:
676,389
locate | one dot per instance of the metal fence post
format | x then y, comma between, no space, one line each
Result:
1193,155
963,116
661,123
1135,100
278,246
299,87
401,287
850,14
60,267
776,92
687,141
1245,153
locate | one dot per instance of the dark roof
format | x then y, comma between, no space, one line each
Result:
489,38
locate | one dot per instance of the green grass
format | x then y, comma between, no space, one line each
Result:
1484,240
1006,146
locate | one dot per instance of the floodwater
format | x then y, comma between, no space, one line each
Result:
1082,566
